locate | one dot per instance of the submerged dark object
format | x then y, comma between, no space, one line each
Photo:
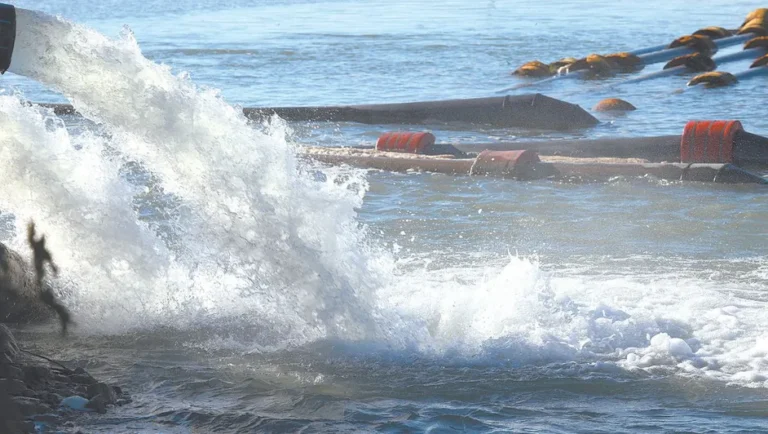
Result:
535,111
525,165
7,35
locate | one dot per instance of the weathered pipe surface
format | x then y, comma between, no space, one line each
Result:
662,148
720,173
447,166
749,149
535,111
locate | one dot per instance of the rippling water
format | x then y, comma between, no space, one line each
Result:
230,288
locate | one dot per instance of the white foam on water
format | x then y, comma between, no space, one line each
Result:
259,240
521,314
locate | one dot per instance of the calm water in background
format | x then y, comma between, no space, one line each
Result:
632,305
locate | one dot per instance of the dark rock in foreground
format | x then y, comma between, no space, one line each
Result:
32,391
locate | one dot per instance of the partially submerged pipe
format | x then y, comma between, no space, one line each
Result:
700,142
748,149
661,148
534,111
526,165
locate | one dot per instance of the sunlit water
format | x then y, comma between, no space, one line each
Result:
231,287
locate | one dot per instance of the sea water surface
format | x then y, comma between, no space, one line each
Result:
229,286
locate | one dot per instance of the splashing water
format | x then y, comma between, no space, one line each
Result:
254,238
260,242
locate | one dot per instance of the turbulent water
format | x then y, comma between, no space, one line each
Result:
229,286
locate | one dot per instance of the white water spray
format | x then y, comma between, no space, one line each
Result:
259,241
253,234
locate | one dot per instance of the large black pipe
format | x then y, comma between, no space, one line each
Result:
749,149
720,173
662,148
7,35
534,111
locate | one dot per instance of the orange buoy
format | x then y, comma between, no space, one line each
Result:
533,68
708,141
700,43
696,62
713,32
614,105
714,79
405,142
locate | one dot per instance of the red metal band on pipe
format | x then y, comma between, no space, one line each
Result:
700,139
686,141
715,142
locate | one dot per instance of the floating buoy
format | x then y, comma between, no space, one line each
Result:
696,62
625,62
614,105
756,42
762,61
700,43
533,68
597,65
756,22
714,79
713,32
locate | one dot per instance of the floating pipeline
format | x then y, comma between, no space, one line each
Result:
714,142
534,111
597,66
697,62
526,165
705,152
713,79
705,41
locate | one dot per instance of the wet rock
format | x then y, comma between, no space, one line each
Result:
49,418
104,390
98,403
50,398
12,386
11,420
83,379
80,371
10,371
36,374
8,346
30,406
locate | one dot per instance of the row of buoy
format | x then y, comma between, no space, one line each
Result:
689,53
